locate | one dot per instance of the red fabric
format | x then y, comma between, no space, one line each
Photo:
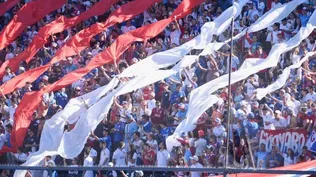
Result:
60,24
5,6
78,43
28,104
29,14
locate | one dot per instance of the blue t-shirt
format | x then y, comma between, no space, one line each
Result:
304,19
118,134
181,114
261,156
107,140
61,99
147,127
175,96
165,132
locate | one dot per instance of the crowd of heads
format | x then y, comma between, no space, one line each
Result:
134,132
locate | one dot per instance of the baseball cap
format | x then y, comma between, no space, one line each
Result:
251,115
201,133
194,158
277,112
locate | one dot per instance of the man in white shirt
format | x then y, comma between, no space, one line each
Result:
88,162
8,75
151,104
195,164
275,4
104,154
266,113
311,93
163,156
175,34
128,27
261,7
219,130
279,122
119,155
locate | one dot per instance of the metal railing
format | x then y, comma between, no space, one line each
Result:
156,170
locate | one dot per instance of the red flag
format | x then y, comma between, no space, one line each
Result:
31,100
54,27
5,6
29,14
79,42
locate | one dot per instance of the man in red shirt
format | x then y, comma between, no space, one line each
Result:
158,115
149,155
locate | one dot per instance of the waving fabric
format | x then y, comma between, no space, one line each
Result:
5,6
56,26
281,81
201,98
76,107
268,19
29,14
77,43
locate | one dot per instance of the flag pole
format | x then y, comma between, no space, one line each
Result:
229,92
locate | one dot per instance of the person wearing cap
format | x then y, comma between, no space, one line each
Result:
195,164
181,113
219,130
251,127
279,122
200,144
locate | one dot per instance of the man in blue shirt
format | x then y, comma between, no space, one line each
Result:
61,98
106,138
261,157
176,95
8,135
147,126
304,17
251,127
182,113
131,127
118,131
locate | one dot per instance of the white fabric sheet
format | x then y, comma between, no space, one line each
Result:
169,57
267,20
201,99
281,81
76,106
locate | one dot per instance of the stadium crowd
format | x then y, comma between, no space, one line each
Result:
135,130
